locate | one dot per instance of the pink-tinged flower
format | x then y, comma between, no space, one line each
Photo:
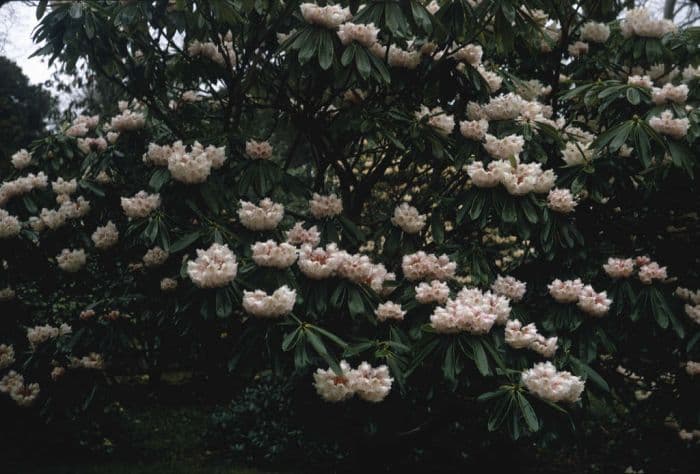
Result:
619,267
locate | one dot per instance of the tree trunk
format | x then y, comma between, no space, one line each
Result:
669,8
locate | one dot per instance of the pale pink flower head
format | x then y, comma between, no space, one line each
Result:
619,267
366,35
650,272
510,287
593,303
434,292
389,311
299,235
213,268
325,206
565,291
258,150
333,387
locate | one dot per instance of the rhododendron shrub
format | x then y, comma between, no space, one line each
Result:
474,201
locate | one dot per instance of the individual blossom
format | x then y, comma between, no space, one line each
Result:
544,381
71,261
155,257
9,225
493,80
325,206
650,272
423,266
319,263
57,373
593,303
265,216
128,121
105,236
21,159
7,356
92,361
261,305
334,387
408,218
619,267
437,119
510,287
565,291
213,268
474,129
299,235
168,284
272,254
595,32
504,148
625,151
485,178
112,137
258,150
434,292
667,125
371,384
330,16
389,310
140,205
561,200
366,35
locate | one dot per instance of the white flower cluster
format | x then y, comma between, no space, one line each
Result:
168,284
21,159
690,72
587,299
127,121
272,254
577,153
40,334
325,206
299,235
261,305
71,261
61,186
330,16
7,294
9,225
651,271
595,32
408,218
141,204
518,180
319,263
87,145
155,257
437,118
366,35
7,356
55,218
527,337
22,185
502,107
360,269
368,383
670,93
640,81
638,22
544,381
92,361
106,236
474,129
561,200
23,394
258,150
214,267
82,125
667,125
210,50
424,266
190,167
692,368
265,216
472,310
434,292
389,310
578,49
509,287
395,56
504,148
619,267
